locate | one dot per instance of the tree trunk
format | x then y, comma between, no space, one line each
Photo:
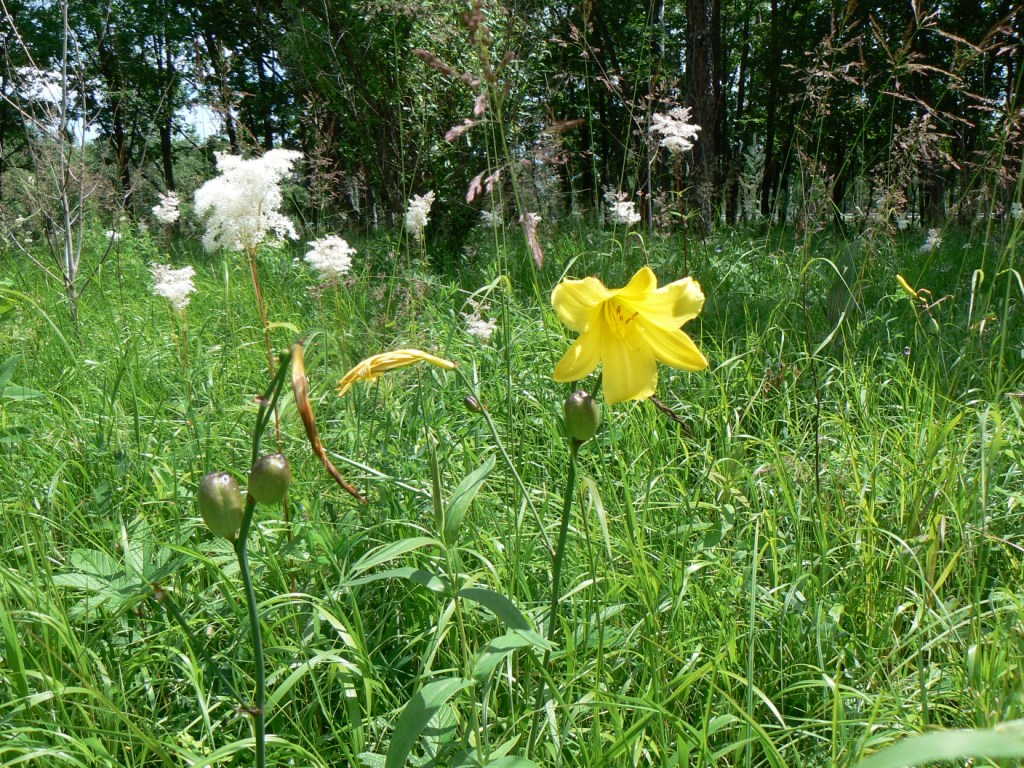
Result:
166,124
768,182
704,96
738,145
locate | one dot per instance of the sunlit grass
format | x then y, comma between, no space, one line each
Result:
822,552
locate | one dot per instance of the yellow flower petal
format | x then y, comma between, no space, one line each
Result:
639,286
580,359
372,367
675,348
577,301
629,374
674,304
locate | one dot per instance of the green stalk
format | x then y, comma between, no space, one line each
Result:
556,580
268,405
260,695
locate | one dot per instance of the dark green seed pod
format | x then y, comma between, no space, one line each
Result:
221,504
269,479
582,415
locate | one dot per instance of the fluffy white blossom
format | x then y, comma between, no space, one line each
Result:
175,285
243,204
480,328
418,214
331,256
1017,211
167,212
934,241
621,210
476,325
677,133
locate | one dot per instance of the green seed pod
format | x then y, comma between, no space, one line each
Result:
582,415
221,504
269,479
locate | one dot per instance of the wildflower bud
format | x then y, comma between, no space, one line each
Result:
472,404
582,415
269,479
221,504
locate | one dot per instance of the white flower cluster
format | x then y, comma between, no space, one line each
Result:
677,133
934,241
620,210
331,256
175,285
476,325
167,212
418,214
244,202
1016,211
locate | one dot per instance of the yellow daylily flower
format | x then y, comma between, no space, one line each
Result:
628,330
372,367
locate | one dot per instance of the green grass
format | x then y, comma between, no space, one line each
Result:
826,556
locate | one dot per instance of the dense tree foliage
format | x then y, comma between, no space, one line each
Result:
808,109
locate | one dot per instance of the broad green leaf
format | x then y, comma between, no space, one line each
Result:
511,761
6,306
462,497
491,655
7,370
1004,741
18,392
417,713
469,760
390,551
431,581
499,605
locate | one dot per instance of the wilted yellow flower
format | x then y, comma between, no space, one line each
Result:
906,287
629,330
372,367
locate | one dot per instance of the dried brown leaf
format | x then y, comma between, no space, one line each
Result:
300,386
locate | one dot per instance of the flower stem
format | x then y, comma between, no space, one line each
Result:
556,579
268,404
254,271
260,695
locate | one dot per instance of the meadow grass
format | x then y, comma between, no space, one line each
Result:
820,552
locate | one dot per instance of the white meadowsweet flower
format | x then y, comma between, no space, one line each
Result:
175,285
418,214
620,210
934,241
476,325
677,133
243,204
625,213
113,235
1017,211
480,328
167,211
331,256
